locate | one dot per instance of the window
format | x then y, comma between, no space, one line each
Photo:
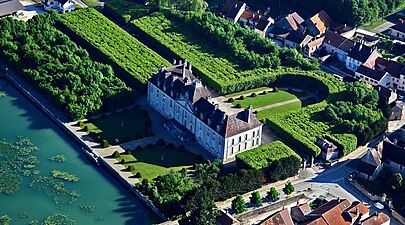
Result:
246,136
233,141
171,102
253,142
254,133
245,145
240,138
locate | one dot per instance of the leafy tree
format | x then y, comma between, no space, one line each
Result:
238,204
207,171
201,208
288,188
395,182
256,199
272,194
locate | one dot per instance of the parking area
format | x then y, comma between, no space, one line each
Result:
31,9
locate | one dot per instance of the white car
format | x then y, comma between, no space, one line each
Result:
379,206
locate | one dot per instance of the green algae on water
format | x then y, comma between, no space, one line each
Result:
64,176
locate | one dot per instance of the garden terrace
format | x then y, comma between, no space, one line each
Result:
225,69
59,68
268,98
119,127
263,114
276,159
157,160
134,61
123,11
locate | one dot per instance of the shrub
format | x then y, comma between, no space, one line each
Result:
255,198
138,148
80,123
160,142
116,142
131,168
127,152
138,175
116,154
105,144
241,97
86,128
264,92
238,204
181,148
123,161
275,89
238,106
288,188
230,100
272,194
170,145
126,18
253,95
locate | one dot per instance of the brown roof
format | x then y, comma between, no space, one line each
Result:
356,209
294,20
338,41
392,67
317,42
371,73
281,218
341,203
321,21
334,216
376,219
226,219
317,221
305,209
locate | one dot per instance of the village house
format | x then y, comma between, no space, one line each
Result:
178,95
62,6
299,212
283,26
329,151
361,54
10,7
239,12
336,44
280,218
379,218
296,38
317,24
397,31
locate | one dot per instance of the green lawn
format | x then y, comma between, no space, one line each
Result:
263,100
246,92
91,3
149,161
124,126
285,108
374,24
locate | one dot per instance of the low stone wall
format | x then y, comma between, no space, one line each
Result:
398,216
365,192
80,142
271,207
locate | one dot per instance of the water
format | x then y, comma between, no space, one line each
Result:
113,204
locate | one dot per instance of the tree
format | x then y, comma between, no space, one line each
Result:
238,204
288,188
256,199
395,182
272,194
201,208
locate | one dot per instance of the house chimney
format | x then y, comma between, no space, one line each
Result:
189,66
174,62
345,25
180,62
183,70
185,61
338,199
248,112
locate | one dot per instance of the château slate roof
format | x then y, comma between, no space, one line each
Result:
360,52
399,27
8,7
371,73
298,37
179,83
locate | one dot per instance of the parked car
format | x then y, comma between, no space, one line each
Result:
379,206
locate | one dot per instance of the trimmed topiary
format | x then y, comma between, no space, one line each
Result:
241,97
170,145
131,168
123,161
275,89
127,152
116,154
86,128
105,144
80,123
161,142
264,92
181,148
238,106
138,175
230,100
253,95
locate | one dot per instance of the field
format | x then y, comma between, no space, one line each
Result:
265,99
284,108
137,61
123,126
149,161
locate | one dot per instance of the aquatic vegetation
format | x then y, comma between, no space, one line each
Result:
58,158
87,208
2,94
33,222
24,214
55,190
5,220
64,175
58,219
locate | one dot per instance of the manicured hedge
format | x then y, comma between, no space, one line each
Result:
123,11
219,68
277,160
346,142
135,62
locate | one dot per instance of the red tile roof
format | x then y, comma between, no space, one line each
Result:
321,20
281,218
378,219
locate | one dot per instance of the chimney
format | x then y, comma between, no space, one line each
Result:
183,71
174,62
338,199
180,62
248,113
185,61
189,66
345,25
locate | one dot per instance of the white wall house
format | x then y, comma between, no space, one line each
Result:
178,95
62,6
360,54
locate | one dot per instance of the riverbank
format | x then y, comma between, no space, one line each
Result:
109,165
